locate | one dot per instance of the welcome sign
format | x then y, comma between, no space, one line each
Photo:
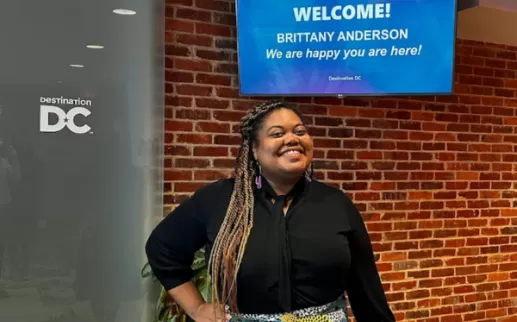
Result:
357,47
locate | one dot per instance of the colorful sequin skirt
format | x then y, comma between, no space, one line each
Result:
331,312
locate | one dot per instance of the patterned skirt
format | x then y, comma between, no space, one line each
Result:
332,312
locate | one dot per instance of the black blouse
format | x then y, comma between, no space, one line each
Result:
309,257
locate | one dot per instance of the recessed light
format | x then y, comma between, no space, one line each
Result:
76,66
95,46
125,12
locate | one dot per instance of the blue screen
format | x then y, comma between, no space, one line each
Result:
352,47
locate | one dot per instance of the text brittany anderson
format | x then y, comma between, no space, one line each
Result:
352,35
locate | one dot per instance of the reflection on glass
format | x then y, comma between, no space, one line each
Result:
74,205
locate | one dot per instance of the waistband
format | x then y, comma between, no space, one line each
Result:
331,312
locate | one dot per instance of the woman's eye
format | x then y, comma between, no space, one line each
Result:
276,134
300,132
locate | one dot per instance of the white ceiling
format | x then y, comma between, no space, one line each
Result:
40,39
491,21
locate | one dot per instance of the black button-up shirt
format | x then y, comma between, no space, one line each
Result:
308,257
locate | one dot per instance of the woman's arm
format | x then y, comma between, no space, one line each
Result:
175,240
364,287
170,251
188,297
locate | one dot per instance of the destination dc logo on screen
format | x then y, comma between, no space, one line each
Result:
54,118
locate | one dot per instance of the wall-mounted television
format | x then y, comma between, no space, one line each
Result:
346,48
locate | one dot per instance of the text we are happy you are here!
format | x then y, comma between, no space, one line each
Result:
314,14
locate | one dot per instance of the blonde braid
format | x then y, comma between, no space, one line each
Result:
229,246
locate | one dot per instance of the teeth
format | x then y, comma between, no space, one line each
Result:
292,152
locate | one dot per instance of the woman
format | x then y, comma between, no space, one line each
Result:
279,244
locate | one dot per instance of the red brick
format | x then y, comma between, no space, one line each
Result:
190,14
172,175
197,40
179,77
204,175
177,150
210,151
193,90
433,176
179,25
192,65
191,114
227,139
215,5
212,127
213,79
224,18
194,139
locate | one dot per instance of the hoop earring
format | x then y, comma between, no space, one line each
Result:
258,177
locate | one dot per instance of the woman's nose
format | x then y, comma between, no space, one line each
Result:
291,139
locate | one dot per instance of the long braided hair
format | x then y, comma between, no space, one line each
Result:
228,249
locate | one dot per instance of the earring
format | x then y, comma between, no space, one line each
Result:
309,172
258,177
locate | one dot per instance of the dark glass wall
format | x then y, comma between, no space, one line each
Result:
80,157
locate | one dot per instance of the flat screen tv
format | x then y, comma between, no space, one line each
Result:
346,48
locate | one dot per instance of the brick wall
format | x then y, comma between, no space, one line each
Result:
433,176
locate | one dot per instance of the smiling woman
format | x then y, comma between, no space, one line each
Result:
280,245
282,148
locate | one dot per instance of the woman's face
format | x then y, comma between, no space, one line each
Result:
283,148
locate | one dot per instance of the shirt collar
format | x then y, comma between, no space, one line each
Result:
299,188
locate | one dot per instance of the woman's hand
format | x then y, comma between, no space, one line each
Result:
206,313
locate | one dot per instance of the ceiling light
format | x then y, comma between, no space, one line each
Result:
76,66
95,46
125,12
